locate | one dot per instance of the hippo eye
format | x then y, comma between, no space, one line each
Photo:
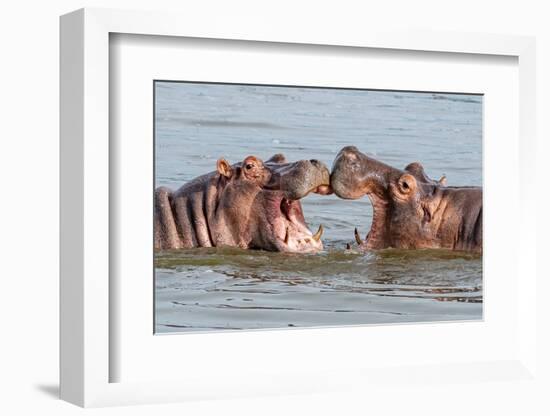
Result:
406,184
249,166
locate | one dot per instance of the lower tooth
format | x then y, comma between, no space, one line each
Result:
319,233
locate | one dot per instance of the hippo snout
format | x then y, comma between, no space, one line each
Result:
346,172
302,177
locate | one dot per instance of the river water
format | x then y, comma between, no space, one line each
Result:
230,289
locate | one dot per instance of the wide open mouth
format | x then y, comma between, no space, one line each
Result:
290,229
355,175
376,237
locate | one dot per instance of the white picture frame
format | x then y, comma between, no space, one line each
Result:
86,305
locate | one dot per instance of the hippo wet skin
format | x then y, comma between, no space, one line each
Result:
250,204
410,210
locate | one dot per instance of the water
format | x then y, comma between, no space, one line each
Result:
215,289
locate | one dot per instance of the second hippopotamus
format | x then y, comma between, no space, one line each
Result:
249,204
410,210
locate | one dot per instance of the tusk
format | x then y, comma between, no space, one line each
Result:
319,233
357,238
443,180
286,236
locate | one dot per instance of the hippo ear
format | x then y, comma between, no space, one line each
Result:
277,158
442,181
415,167
406,183
417,170
224,168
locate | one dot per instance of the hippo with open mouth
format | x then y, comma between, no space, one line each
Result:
250,204
410,210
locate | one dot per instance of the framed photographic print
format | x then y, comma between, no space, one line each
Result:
263,211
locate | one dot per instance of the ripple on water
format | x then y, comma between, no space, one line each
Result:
230,288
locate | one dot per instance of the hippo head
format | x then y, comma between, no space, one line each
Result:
260,203
404,202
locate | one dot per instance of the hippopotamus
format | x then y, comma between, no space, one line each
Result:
410,210
249,204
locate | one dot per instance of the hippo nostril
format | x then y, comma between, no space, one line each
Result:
314,162
349,153
349,149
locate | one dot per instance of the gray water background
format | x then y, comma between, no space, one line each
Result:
216,289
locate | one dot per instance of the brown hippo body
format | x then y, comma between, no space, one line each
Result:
410,210
251,204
